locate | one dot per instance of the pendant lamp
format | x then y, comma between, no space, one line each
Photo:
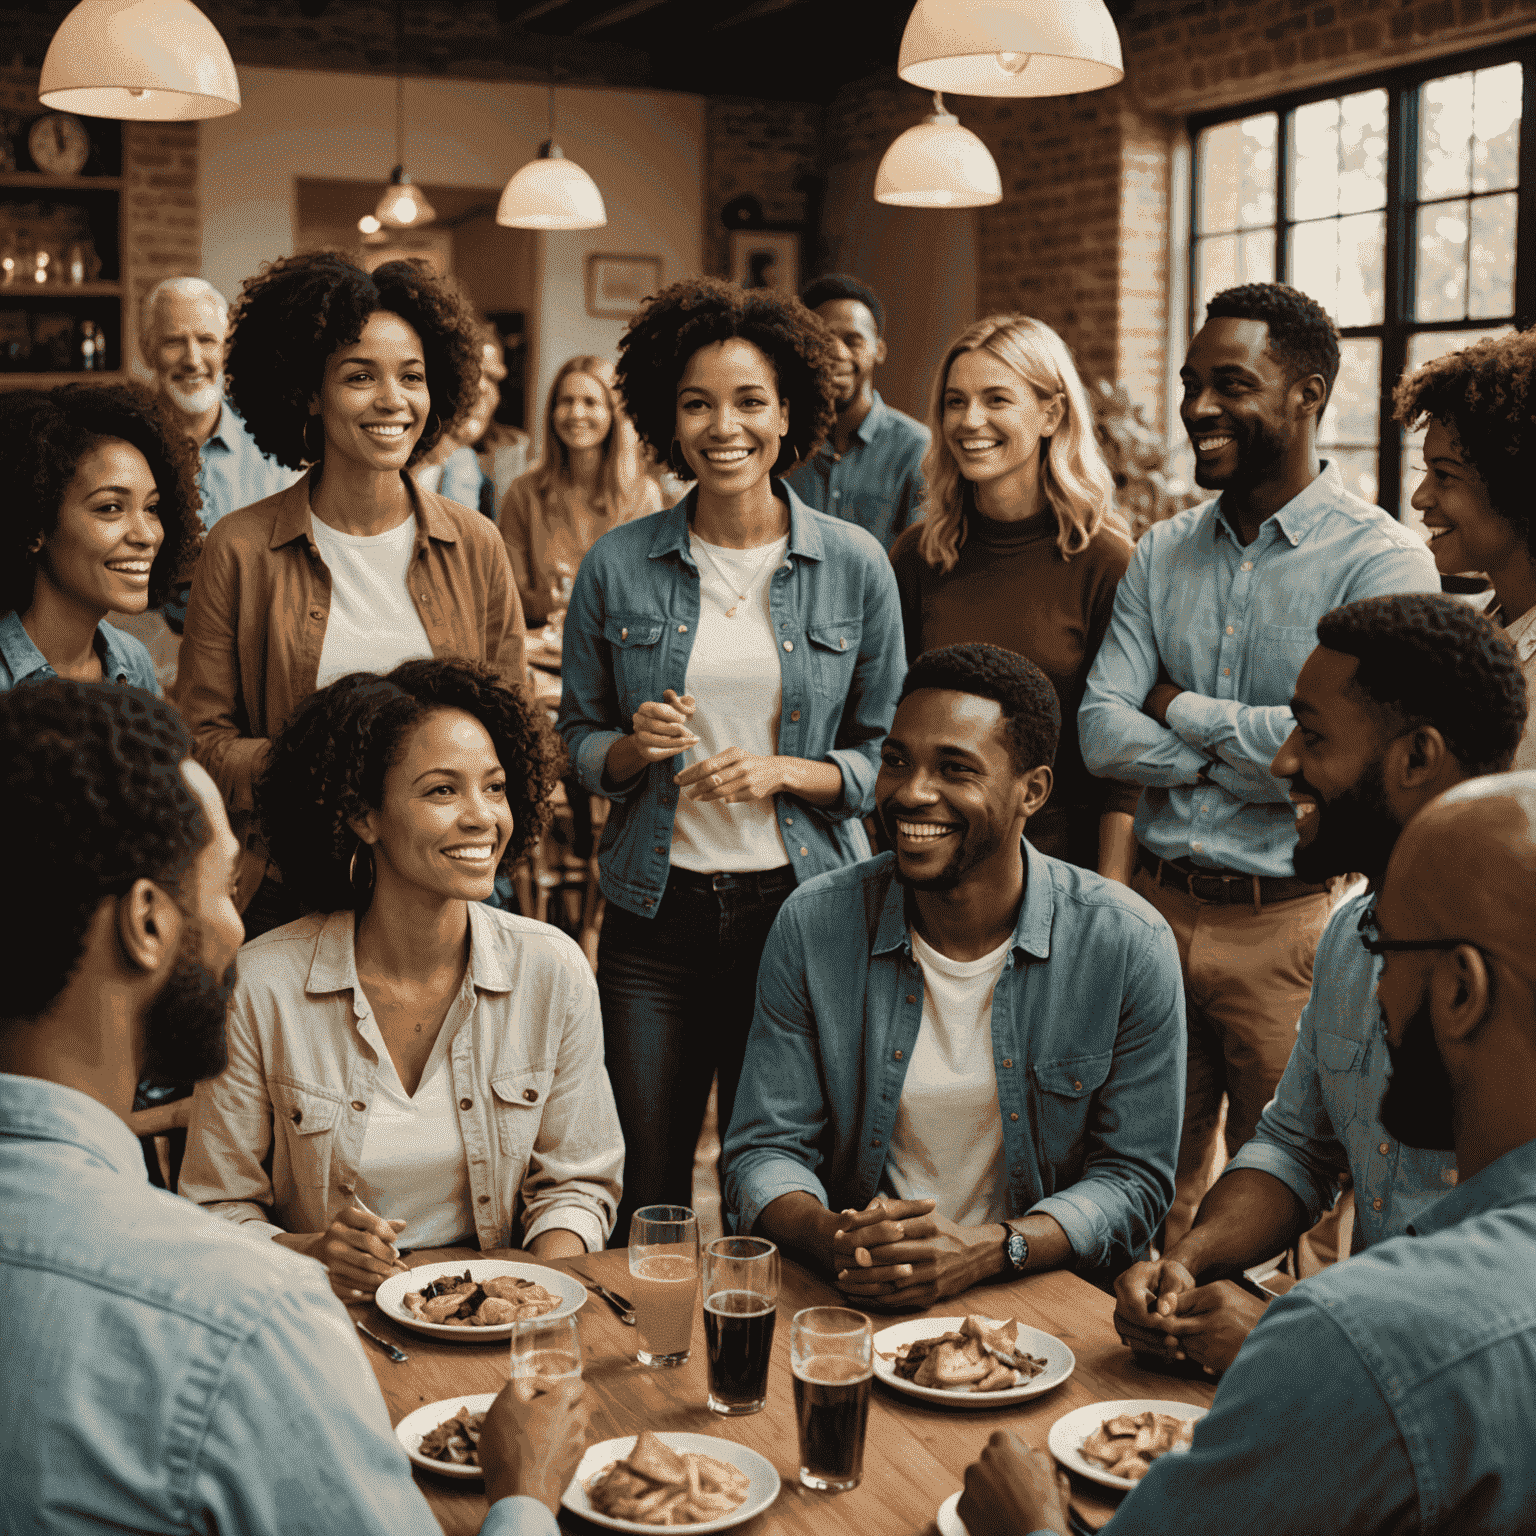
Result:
402,206
551,192
158,61
938,164
1010,47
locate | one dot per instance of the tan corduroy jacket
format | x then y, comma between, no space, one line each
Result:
276,1138
261,597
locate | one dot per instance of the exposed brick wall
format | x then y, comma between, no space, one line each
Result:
761,148
163,231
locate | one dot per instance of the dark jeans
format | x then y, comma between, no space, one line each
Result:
677,993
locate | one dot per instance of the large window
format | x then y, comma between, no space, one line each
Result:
1406,207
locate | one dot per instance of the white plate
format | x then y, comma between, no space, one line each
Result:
1071,1429
390,1297
414,1427
1060,1363
948,1518
763,1491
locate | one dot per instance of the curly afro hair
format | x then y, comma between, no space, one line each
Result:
1430,660
654,353
1031,710
326,767
298,311
839,285
1301,336
1486,395
94,800
43,437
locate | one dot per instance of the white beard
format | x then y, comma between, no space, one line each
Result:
194,402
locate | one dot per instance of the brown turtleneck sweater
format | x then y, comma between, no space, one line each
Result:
1011,587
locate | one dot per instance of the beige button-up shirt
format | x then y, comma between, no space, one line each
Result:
1522,635
276,1138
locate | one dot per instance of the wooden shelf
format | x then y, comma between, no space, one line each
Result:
48,380
35,181
60,293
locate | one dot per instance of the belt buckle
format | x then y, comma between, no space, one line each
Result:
1189,885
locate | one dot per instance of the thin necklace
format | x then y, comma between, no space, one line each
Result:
730,586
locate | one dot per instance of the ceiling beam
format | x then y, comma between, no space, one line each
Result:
619,13
753,12
543,8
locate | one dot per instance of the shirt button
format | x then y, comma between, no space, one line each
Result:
1198,847
842,643
911,997
297,1116
789,645
804,853
1376,1203
623,634
1077,1085
1013,1117
358,1105
789,821
794,714
485,1199
875,1142
465,1103
531,1095
1247,565
1007,1061
898,1055
1384,1148
317,613
682,629
1230,630
1226,671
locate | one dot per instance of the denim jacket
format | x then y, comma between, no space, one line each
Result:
628,635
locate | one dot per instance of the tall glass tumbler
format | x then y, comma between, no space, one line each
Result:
741,1291
664,1270
545,1351
831,1352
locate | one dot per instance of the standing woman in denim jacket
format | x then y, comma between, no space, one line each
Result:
731,667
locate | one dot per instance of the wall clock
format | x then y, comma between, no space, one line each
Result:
59,144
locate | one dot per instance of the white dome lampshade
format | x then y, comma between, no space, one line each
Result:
1011,47
938,164
403,205
148,60
551,193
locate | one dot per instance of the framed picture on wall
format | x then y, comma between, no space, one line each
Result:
766,258
618,285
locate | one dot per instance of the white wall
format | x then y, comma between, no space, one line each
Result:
645,150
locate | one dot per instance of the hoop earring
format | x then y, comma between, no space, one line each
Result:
314,458
36,546
430,431
684,473
352,871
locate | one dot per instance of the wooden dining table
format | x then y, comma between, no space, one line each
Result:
915,1454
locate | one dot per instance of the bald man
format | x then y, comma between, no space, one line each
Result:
1418,1358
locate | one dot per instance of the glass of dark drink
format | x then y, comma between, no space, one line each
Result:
831,1353
741,1291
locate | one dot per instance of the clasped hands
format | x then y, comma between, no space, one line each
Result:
732,776
1161,1310
901,1253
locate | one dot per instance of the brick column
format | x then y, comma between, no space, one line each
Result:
162,225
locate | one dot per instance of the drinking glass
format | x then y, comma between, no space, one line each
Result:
664,1269
544,1351
831,1352
741,1288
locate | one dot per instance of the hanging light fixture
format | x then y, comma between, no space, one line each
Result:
938,164
1010,47
551,192
147,60
402,206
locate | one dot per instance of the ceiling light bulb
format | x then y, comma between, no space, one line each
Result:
938,164
369,225
1014,63
551,192
402,205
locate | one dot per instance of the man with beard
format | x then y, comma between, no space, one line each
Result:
163,1372
1189,695
1403,698
967,1057
1393,1393
870,469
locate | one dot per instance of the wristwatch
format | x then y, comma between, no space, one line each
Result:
1204,776
1016,1247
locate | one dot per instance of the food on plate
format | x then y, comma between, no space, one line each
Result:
982,1357
1128,1444
461,1301
455,1440
656,1485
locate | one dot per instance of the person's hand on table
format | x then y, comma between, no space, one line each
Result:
531,1440
1210,1323
733,777
1145,1297
661,727
1013,1489
902,1254
357,1249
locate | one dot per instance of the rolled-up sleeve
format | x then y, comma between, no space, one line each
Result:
589,699
771,1146
1111,1213
575,1175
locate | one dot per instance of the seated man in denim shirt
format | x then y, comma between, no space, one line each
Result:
1403,698
1392,1393
973,1054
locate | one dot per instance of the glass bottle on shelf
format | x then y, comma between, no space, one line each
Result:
92,348
10,258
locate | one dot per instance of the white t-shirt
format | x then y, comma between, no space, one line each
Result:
734,677
947,1144
413,1167
373,624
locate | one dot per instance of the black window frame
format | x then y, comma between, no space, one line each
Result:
1397,327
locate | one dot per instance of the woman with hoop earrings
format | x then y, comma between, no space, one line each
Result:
355,375
731,667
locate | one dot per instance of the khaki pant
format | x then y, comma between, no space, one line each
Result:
1247,976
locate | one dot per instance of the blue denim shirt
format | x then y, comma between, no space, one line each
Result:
124,658
166,1373
1324,1119
628,636
1392,1393
1087,1044
233,472
1232,625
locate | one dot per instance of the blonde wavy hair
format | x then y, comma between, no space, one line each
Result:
1076,480
622,475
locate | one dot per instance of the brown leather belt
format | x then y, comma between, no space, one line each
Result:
1223,887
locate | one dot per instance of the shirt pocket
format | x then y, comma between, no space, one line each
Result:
834,649
305,1118
634,644
1063,1095
518,1100
1340,1081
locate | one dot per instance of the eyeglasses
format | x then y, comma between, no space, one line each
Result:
1371,938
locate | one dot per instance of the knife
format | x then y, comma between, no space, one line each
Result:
624,1307
399,1356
